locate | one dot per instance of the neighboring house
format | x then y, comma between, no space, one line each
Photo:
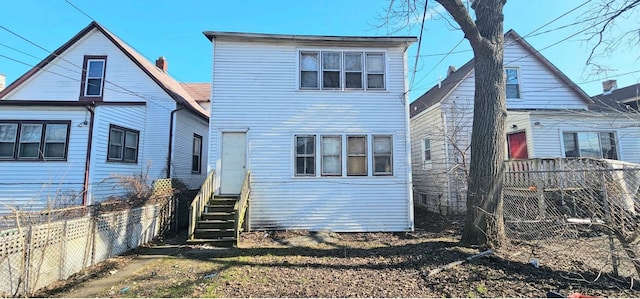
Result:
548,116
92,111
322,124
625,99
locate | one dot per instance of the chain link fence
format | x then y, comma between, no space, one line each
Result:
578,210
39,248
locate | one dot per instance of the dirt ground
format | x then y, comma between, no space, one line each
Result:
325,264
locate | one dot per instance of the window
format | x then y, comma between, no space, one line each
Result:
375,70
196,156
123,145
426,149
34,140
305,155
93,77
336,70
8,133
513,83
590,144
357,155
353,70
382,155
331,155
309,70
331,62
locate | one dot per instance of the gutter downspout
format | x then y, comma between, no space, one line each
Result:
407,124
85,193
446,159
170,153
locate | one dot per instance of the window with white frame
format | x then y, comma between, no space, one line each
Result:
123,145
93,76
512,83
338,70
426,149
196,156
590,144
382,155
34,140
331,155
357,155
305,158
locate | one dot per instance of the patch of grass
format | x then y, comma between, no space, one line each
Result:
481,289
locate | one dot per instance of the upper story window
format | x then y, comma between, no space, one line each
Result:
93,71
513,83
34,140
337,70
196,156
123,145
590,144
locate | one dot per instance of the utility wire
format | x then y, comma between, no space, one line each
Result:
415,64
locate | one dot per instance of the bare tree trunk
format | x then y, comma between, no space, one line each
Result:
484,224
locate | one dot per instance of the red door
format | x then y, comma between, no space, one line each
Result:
517,145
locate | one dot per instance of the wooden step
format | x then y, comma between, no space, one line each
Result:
213,233
222,243
222,202
218,216
215,223
217,208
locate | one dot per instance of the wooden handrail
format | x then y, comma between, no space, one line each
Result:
200,201
241,205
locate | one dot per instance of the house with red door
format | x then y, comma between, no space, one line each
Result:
548,116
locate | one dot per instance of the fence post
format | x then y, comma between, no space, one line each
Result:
608,218
27,260
63,247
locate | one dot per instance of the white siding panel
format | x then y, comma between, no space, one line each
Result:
37,185
255,89
186,125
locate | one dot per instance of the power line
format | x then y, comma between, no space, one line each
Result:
80,10
415,65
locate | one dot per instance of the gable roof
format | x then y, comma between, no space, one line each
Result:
617,98
164,81
440,91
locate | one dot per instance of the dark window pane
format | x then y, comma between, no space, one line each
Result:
357,166
6,149
195,163
354,80
96,68
570,145
94,87
29,150
129,154
513,91
383,164
115,152
309,79
375,81
54,150
330,79
608,143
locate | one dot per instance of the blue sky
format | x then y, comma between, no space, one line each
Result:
174,29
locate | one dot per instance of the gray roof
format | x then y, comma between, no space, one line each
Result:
398,40
617,100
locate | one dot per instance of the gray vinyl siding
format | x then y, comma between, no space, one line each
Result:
38,185
255,89
186,125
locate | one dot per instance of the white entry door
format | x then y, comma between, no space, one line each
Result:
233,162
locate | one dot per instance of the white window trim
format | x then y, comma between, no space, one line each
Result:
426,164
342,71
615,134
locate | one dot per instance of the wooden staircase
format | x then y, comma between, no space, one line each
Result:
216,225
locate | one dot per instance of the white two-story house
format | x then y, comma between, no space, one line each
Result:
322,122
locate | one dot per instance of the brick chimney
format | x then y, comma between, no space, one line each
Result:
162,64
609,86
3,82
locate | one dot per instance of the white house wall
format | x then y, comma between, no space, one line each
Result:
548,134
38,185
255,90
186,125
106,177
